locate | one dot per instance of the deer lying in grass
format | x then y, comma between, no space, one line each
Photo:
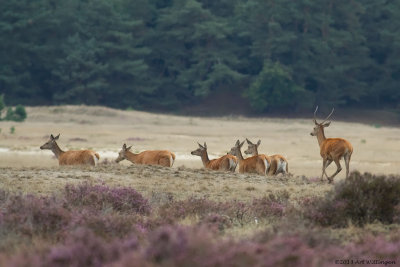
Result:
149,157
224,163
331,149
278,162
254,164
72,157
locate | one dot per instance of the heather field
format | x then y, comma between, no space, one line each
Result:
136,215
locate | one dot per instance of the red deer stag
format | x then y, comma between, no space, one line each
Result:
72,157
278,163
149,157
331,149
254,164
224,163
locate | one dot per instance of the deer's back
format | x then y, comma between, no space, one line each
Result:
78,157
154,156
335,147
252,164
222,162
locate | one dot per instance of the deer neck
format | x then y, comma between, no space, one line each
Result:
240,156
255,153
131,156
321,136
57,150
204,158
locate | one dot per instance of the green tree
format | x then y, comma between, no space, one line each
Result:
274,88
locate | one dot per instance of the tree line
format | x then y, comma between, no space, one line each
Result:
166,54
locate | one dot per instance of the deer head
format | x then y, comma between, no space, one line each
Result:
320,126
51,143
122,153
236,149
252,149
200,151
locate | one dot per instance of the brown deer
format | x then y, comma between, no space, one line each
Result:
278,163
224,163
254,164
331,149
72,157
149,157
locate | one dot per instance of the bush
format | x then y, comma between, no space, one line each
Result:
360,199
102,197
31,215
19,114
275,88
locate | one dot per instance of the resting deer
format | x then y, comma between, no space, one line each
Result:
149,157
254,164
278,163
224,163
72,157
331,149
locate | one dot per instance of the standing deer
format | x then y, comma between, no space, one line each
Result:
278,163
224,163
254,164
149,157
77,157
331,149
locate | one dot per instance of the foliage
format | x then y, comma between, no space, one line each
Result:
103,197
94,225
168,54
18,114
360,199
274,88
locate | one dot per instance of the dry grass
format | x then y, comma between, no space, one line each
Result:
153,180
26,168
376,150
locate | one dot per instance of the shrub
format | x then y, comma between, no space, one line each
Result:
33,215
103,197
360,198
216,222
274,205
107,225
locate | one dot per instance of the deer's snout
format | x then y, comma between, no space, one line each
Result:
312,134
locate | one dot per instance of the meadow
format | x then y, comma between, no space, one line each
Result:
135,215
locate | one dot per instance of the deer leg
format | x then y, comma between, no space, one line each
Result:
325,164
339,168
347,162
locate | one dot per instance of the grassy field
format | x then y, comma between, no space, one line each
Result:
25,169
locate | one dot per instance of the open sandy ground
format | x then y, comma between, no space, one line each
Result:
25,168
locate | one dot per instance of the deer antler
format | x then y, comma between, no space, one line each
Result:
328,115
315,115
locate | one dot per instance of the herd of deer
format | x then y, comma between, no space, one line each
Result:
331,149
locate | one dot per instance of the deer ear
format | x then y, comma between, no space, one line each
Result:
205,145
237,143
248,141
56,138
241,144
124,146
259,142
199,145
128,148
51,137
326,124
